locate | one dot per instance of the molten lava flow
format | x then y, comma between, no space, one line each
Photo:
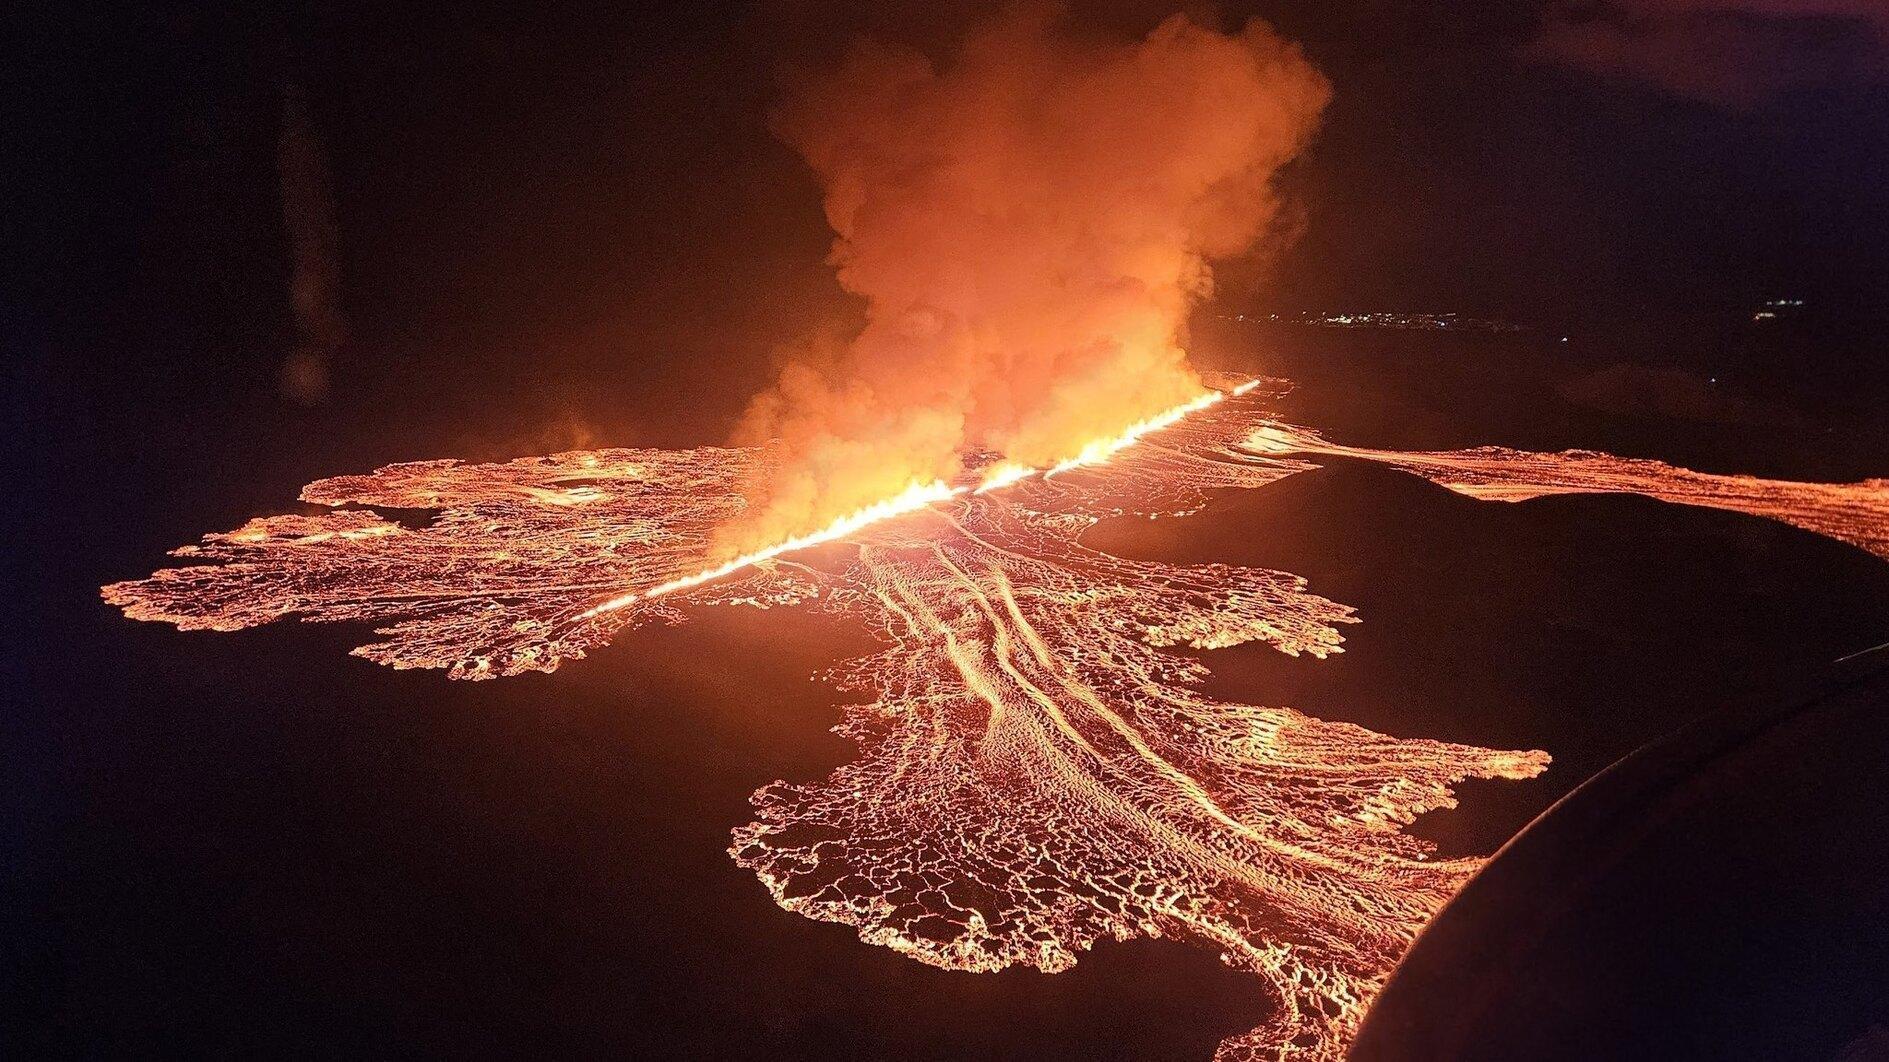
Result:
1856,513
1102,449
916,496
1036,769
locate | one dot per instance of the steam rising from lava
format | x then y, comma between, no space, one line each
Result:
1028,225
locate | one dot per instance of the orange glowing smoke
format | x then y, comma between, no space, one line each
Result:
1036,770
1028,224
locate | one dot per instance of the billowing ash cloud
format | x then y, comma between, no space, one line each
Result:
1730,52
1028,224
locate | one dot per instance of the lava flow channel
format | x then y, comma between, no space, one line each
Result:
1037,769
1856,513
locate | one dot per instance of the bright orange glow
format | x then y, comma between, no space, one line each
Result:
1036,770
914,497
1102,449
1003,475
917,496
1028,214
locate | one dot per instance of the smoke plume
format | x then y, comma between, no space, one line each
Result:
1028,224
308,217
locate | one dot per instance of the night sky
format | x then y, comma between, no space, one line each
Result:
567,225
600,182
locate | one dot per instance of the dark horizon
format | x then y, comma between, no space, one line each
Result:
602,185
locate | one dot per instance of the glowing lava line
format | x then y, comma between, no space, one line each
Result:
1101,450
1003,475
915,497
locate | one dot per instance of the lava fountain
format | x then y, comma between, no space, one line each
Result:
1037,768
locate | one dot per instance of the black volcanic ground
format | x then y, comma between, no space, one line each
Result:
256,843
